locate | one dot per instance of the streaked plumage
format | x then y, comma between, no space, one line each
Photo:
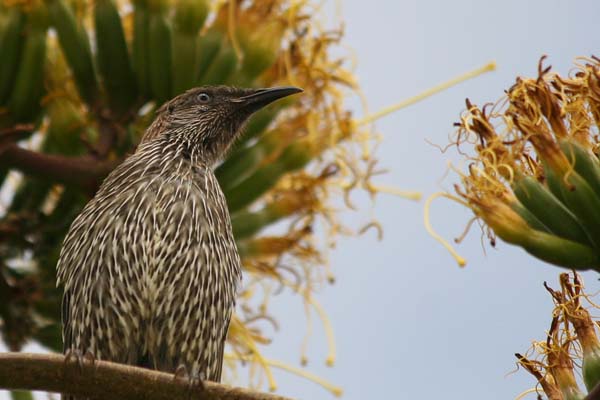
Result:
150,266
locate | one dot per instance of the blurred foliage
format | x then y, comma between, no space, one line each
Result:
79,82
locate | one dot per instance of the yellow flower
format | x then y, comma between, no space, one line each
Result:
533,176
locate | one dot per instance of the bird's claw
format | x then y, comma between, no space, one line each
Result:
181,372
74,356
89,357
194,381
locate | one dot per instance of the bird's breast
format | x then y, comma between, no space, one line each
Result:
186,242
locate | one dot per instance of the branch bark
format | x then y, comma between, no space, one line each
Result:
106,380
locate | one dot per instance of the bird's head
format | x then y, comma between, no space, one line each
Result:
208,119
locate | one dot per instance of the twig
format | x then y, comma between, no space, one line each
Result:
594,394
109,134
106,380
15,133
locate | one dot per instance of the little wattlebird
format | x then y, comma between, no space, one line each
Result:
150,267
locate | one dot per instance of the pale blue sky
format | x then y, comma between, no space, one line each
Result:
409,323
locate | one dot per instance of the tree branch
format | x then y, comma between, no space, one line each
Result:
83,171
106,380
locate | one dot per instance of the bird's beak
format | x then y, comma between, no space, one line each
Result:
262,97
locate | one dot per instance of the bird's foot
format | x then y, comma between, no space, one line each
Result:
74,357
194,381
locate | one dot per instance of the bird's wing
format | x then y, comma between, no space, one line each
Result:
219,363
66,326
97,267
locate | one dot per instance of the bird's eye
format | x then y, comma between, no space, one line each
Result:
203,98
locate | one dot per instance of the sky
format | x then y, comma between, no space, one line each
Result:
409,323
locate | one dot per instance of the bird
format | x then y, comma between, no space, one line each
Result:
150,267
